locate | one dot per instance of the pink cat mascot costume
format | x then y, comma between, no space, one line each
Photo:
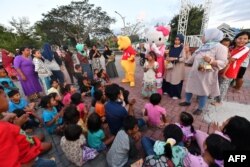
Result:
156,38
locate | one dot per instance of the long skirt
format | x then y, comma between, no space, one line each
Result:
111,70
173,90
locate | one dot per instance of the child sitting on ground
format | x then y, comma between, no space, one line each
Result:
72,142
55,87
17,102
67,91
22,120
99,104
185,123
51,118
76,99
215,148
96,136
59,105
96,86
155,114
96,78
123,150
6,82
103,78
86,87
72,116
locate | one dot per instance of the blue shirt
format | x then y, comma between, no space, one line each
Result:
115,113
95,139
48,116
21,105
10,83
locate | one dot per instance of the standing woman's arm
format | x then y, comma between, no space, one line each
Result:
17,65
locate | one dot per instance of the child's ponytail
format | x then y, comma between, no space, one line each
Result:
168,151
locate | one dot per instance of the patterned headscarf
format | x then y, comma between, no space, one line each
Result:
211,37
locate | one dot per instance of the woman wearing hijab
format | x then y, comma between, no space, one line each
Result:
82,56
206,62
178,54
49,57
110,62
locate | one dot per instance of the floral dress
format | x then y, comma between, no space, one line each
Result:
149,80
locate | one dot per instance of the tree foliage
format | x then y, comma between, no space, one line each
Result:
194,22
21,34
77,21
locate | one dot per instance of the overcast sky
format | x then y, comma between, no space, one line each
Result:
236,13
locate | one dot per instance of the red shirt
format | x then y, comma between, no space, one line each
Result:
15,148
128,52
234,67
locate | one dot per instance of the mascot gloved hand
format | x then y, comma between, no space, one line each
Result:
128,59
155,41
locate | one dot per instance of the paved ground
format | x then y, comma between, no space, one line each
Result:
217,113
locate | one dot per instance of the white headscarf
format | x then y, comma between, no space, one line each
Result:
211,37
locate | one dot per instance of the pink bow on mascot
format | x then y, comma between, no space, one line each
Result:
156,38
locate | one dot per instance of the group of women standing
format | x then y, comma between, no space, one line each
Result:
204,78
57,65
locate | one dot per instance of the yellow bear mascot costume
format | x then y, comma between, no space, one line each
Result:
128,59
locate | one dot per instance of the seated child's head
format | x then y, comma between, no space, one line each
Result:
186,119
3,72
172,131
71,115
54,84
98,86
85,81
1,88
72,132
69,88
98,95
112,92
235,128
94,122
48,102
101,74
76,98
36,53
14,95
155,99
56,96
78,68
215,147
130,125
125,94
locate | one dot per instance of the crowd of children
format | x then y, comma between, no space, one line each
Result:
109,124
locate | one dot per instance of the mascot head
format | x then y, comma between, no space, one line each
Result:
158,35
123,42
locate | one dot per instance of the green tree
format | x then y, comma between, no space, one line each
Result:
194,22
22,34
77,21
